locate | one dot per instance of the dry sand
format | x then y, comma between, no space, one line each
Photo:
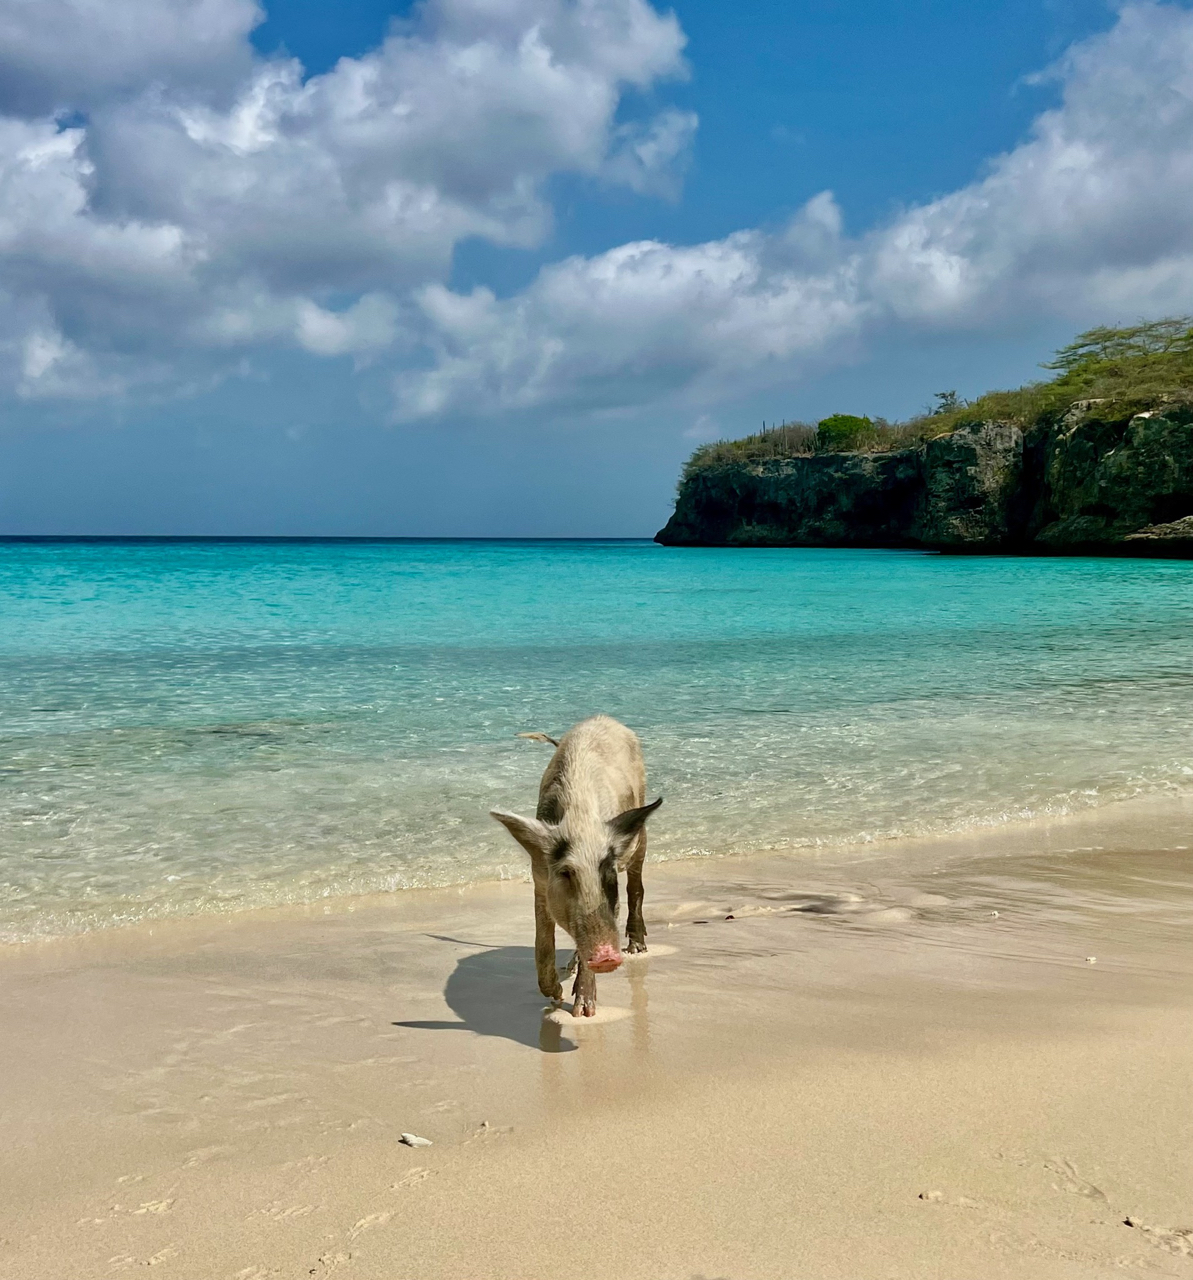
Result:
865,1073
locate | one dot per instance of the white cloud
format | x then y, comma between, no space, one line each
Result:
1091,218
71,54
639,322
170,225
648,157
207,204
369,325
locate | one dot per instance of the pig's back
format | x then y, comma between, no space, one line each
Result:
597,770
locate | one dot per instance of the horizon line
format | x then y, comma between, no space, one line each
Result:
313,537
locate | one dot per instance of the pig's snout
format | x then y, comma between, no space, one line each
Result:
605,959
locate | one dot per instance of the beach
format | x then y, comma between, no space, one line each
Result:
352,354
961,1056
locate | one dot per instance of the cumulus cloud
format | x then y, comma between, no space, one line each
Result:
169,203
367,326
1090,218
160,219
72,54
641,321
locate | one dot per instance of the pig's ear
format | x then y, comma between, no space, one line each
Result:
632,821
534,836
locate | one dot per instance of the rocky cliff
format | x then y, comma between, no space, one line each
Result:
1099,480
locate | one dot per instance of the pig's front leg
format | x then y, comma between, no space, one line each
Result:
584,992
635,925
544,948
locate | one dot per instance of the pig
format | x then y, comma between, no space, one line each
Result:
590,823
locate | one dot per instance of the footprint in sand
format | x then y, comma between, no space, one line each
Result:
122,1261
155,1206
485,1130
367,1224
255,1273
1071,1181
411,1179
201,1155
280,1212
958,1202
1177,1240
329,1262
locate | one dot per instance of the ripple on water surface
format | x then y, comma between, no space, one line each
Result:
206,726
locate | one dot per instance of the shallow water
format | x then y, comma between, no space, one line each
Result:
208,726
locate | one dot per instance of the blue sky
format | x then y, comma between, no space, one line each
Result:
500,274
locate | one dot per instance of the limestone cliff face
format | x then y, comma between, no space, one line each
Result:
1105,479
972,488
830,500
1093,483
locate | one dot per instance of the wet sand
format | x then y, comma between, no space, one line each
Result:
961,1058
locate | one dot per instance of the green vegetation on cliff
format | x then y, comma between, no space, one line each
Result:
1136,368
1098,459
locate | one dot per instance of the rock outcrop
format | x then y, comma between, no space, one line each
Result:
1096,481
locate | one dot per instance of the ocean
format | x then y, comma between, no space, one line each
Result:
210,726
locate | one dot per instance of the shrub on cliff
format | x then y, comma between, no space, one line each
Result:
790,440
1135,367
845,433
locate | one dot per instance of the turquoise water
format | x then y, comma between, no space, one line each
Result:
191,727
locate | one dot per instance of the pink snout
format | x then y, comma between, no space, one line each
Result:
605,959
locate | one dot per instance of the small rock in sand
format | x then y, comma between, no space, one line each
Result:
1091,959
994,914
413,1140
931,1195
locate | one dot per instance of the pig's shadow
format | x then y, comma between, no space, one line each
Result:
494,993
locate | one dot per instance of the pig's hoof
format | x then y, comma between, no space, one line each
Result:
584,994
634,948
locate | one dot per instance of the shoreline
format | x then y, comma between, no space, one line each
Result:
1165,807
1168,809
900,1065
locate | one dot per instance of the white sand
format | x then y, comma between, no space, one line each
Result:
866,1073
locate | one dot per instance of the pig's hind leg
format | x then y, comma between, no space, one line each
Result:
635,925
584,992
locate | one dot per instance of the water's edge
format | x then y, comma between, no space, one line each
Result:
206,728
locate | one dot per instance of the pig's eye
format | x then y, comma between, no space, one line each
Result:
565,873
